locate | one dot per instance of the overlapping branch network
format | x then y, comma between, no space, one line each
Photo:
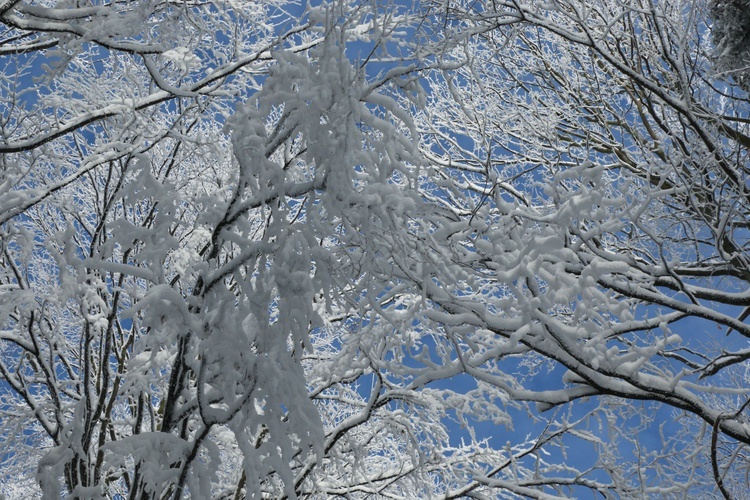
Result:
255,250
605,172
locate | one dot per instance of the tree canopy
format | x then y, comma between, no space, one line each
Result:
364,249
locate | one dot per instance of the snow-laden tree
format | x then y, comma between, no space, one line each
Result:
599,181
201,205
260,250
